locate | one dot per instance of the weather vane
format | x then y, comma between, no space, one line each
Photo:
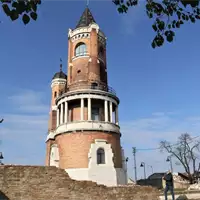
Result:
87,2
60,64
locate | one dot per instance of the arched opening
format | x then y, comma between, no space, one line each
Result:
80,49
100,156
54,156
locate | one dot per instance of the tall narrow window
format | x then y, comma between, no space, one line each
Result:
70,72
80,49
100,156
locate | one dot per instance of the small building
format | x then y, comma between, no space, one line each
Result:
156,180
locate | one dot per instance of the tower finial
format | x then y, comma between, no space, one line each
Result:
87,3
60,64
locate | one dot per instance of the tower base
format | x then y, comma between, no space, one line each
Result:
104,175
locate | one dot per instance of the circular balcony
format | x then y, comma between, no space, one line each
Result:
85,126
82,85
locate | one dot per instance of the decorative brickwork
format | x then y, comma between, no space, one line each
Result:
51,183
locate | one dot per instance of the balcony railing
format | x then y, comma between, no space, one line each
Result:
93,86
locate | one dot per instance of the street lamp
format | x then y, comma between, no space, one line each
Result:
1,158
143,165
169,159
151,168
126,170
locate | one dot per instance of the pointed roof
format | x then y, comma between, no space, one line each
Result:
86,18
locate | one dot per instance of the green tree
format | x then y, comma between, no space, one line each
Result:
24,9
167,15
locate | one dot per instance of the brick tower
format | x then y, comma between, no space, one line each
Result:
84,133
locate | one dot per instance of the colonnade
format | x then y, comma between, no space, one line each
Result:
62,111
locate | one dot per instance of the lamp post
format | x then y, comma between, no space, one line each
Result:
1,158
151,168
169,159
126,170
143,165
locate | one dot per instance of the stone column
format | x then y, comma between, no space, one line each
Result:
82,109
116,115
58,115
89,109
111,116
66,112
106,110
61,114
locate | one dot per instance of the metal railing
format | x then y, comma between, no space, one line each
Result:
99,86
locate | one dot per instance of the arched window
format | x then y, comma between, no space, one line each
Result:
54,156
100,156
80,49
55,94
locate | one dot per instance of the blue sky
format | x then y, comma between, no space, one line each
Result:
158,88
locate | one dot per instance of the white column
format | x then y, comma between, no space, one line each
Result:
82,109
89,109
61,114
106,110
116,115
66,112
57,119
111,116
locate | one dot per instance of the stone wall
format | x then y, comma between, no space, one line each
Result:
42,183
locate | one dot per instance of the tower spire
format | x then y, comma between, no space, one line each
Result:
60,65
86,18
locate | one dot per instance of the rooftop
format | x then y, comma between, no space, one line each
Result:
86,19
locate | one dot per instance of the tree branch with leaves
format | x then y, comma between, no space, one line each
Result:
186,151
167,15
26,9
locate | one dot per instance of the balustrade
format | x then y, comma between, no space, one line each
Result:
62,112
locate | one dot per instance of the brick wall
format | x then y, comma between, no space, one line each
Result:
74,148
51,183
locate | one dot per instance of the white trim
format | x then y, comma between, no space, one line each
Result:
86,96
106,110
58,81
57,117
81,56
66,112
84,126
87,125
86,29
54,107
108,176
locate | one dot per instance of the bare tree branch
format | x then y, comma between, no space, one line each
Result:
185,152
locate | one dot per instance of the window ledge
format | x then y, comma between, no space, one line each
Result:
80,56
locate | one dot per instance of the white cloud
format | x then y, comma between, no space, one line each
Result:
24,129
29,101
